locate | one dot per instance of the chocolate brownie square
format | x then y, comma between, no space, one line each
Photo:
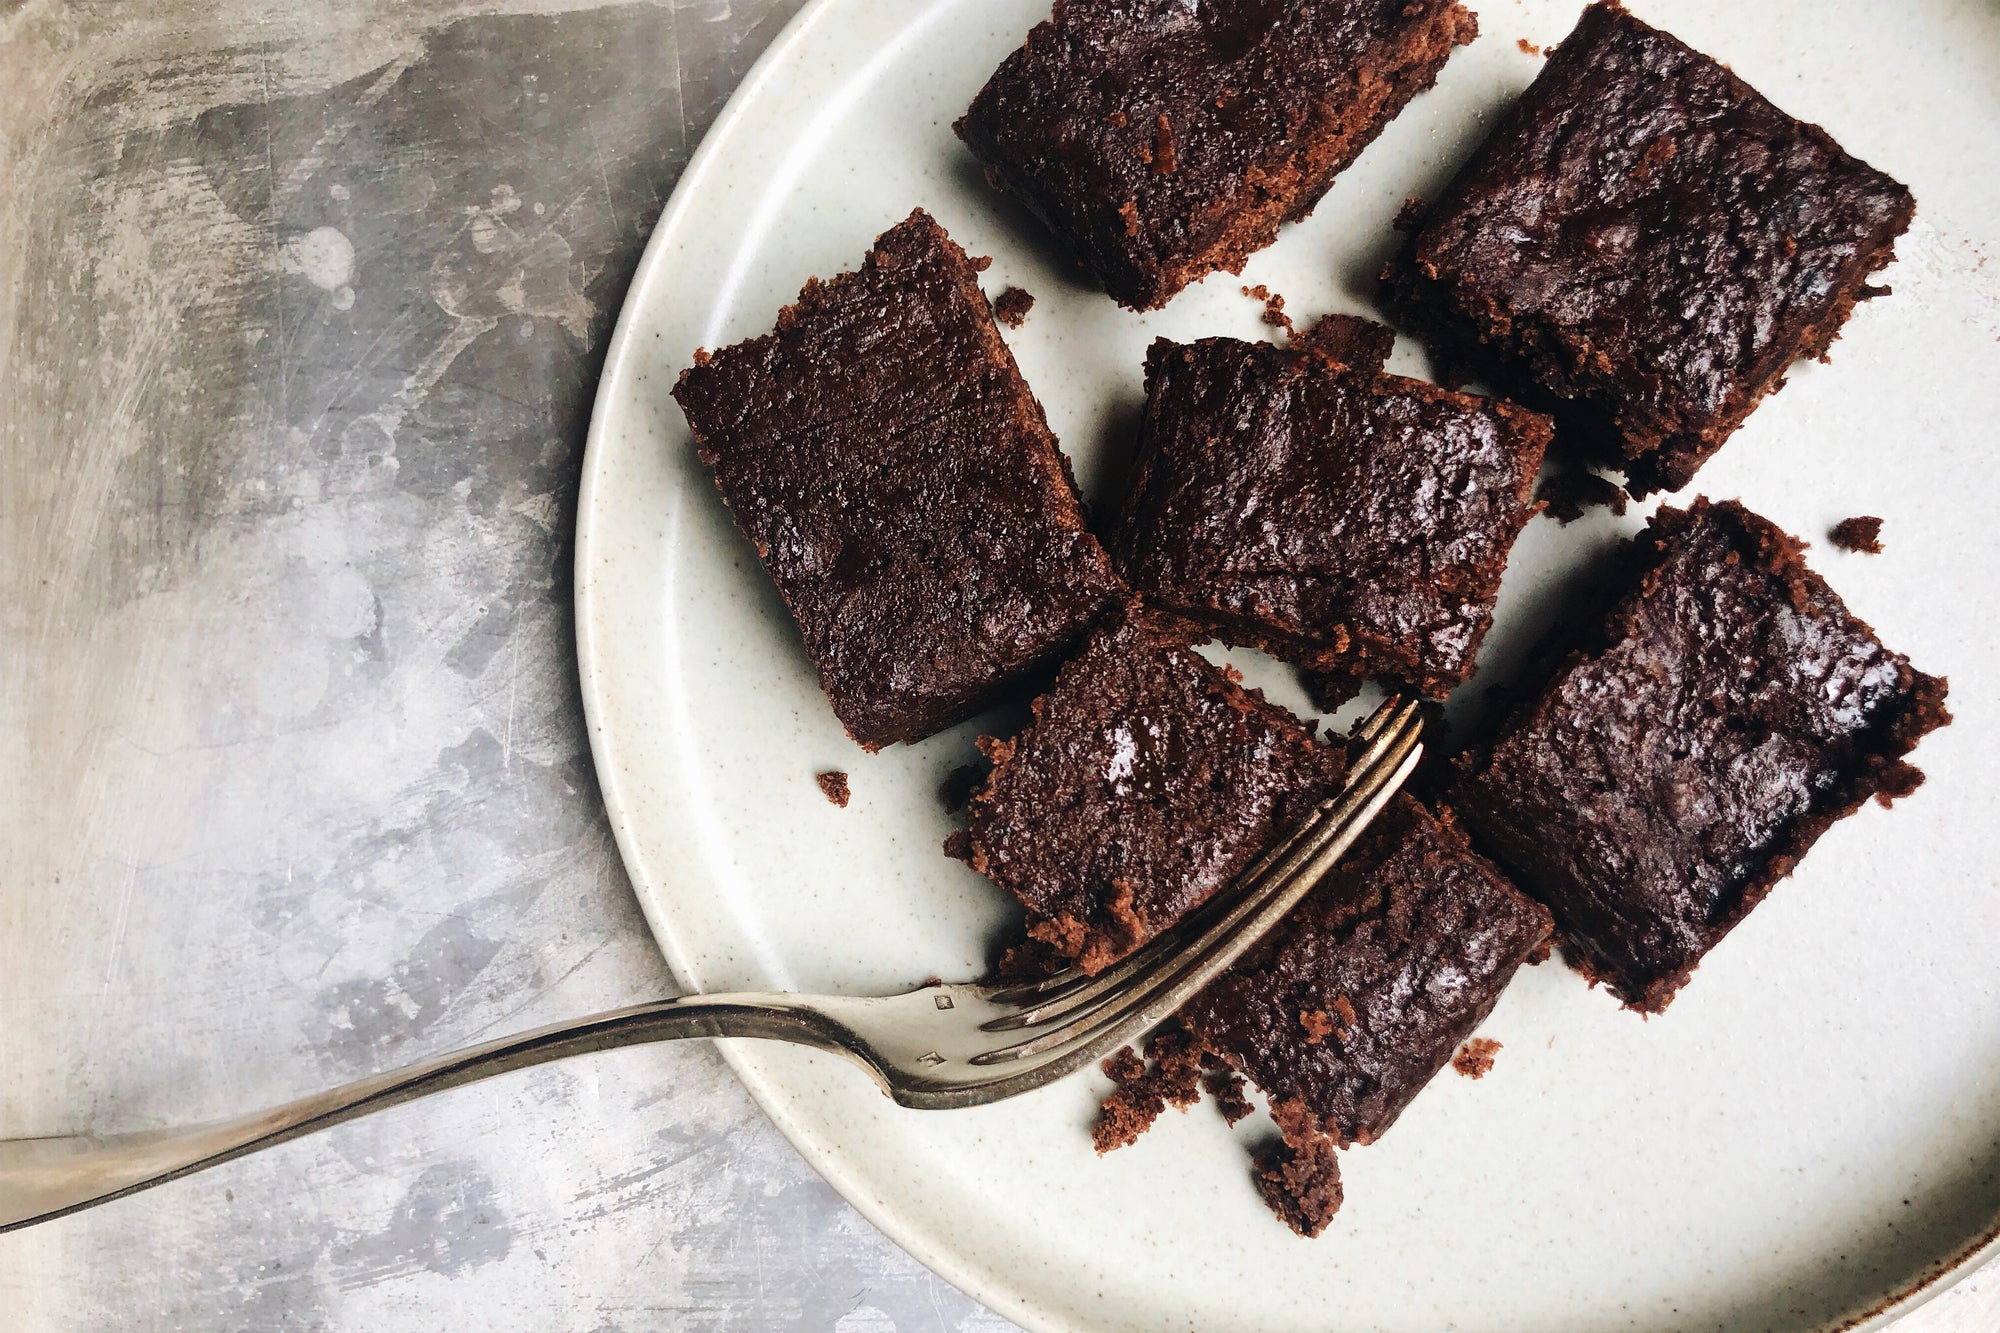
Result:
1147,780
1681,760
1162,140
1651,243
1344,1012
1348,520
899,481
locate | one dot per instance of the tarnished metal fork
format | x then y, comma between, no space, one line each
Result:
936,1048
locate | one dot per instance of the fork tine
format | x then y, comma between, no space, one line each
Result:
1150,999
1377,733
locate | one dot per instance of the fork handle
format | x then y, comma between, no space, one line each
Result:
43,1178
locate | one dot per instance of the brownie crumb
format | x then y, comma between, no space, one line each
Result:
1173,1079
1359,345
1318,1025
1030,960
958,785
1330,691
1528,48
1898,780
1227,1087
1862,533
1163,146
1274,309
1124,1066
958,845
834,783
1540,953
1567,494
1011,307
1299,1175
1475,1058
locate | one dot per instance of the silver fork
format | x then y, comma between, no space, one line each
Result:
936,1048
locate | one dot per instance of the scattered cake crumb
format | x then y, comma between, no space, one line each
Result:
1898,780
1011,307
1274,308
1862,533
1173,1078
1568,494
1345,1008
1356,344
1318,1025
1030,960
958,785
1227,1087
1528,48
833,782
1164,160
1475,1058
958,845
1124,1066
1299,1175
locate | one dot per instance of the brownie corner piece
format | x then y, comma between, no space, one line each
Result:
1302,501
1161,141
901,485
1648,243
1359,997
1147,780
1685,756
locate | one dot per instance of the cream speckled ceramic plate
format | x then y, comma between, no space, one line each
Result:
1814,1128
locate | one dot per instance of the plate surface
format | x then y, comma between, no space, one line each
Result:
1814,1128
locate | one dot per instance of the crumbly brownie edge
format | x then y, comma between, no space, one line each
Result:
1285,188
1096,943
1029,417
1288,187
1672,464
1881,770
1380,842
1535,362
1347,649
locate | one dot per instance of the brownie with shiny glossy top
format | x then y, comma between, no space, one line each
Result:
1340,517
1365,991
1147,780
1727,711
1652,243
902,487
1162,140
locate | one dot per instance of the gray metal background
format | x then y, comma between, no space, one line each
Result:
301,307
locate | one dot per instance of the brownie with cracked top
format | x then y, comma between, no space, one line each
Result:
1162,140
1727,711
899,481
1365,992
1147,780
1303,501
1650,243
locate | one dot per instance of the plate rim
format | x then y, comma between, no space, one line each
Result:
613,384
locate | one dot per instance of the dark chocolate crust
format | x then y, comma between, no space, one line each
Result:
1162,140
1350,521
1728,711
899,481
1147,780
1649,242
1364,993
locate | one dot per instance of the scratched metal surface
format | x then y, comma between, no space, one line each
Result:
300,310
